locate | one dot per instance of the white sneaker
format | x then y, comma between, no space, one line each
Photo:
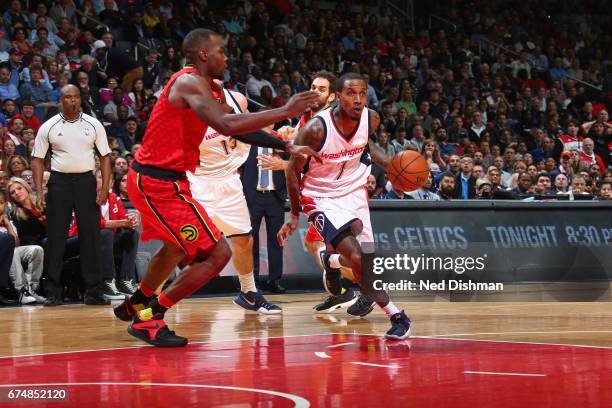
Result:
109,291
39,299
25,298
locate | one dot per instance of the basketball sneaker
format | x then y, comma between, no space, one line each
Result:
109,290
332,303
126,286
401,327
362,307
255,301
126,310
25,297
332,280
152,329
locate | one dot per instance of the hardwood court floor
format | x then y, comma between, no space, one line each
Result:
34,330
461,354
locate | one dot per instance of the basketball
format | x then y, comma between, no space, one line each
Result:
408,171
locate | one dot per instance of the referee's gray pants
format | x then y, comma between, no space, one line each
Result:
68,191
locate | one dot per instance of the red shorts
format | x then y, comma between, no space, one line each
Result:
312,234
170,214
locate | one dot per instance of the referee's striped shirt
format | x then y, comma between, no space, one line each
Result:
72,143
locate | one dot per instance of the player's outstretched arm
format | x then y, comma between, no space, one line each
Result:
378,155
311,135
195,92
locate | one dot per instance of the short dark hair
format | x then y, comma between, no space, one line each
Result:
331,78
547,175
193,39
348,77
27,102
445,175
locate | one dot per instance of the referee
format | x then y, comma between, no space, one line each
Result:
72,139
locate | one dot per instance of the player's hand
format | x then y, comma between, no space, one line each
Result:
102,196
40,202
286,231
301,102
287,133
271,162
303,151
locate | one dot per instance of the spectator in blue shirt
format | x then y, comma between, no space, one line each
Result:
7,89
35,90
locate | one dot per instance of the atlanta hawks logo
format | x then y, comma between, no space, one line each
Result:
319,222
189,233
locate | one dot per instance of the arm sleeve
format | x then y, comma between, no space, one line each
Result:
262,139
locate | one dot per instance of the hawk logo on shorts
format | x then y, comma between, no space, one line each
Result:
319,222
189,233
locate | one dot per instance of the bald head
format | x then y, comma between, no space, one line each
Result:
71,101
69,89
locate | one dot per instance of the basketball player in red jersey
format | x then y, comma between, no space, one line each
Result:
332,193
159,189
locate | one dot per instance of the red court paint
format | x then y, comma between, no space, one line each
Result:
284,372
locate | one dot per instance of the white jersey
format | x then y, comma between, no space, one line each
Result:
346,161
221,155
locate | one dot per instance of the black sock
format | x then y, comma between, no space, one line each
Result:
156,307
139,298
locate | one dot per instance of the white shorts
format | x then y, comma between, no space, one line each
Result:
332,215
224,202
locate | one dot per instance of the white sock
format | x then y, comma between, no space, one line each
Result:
334,261
391,309
247,282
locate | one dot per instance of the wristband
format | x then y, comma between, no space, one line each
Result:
297,217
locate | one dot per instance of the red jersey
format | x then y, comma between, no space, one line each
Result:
173,136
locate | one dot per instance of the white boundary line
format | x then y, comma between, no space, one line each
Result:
297,400
147,346
437,337
433,337
322,354
374,365
341,344
519,332
496,373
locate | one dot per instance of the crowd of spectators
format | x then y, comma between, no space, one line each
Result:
504,99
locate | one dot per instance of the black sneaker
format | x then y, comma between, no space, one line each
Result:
152,329
96,298
256,302
53,301
401,327
126,310
336,302
362,307
332,280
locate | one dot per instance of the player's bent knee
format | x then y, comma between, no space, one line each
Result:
356,227
222,253
243,242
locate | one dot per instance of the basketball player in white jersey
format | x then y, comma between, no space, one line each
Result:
324,83
216,185
332,193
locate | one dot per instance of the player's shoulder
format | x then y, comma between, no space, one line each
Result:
240,99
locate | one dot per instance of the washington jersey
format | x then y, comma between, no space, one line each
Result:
221,155
345,163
